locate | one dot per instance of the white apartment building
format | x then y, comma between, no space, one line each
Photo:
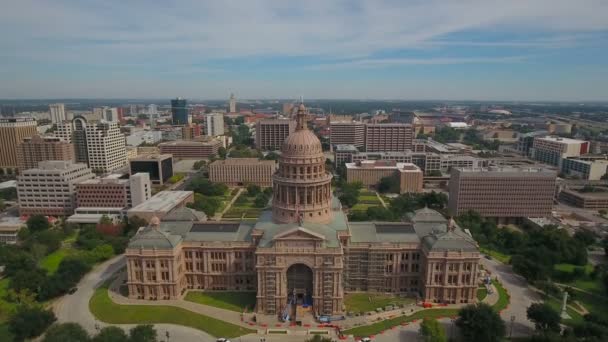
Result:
57,112
50,189
106,148
214,124
551,150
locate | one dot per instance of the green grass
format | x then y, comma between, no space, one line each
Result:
503,297
374,329
233,301
595,304
504,258
556,304
482,293
107,311
363,206
364,302
584,282
367,193
51,262
570,268
71,238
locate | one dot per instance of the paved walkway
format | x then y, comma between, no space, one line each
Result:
218,216
381,200
493,297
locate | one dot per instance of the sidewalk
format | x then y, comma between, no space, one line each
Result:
218,216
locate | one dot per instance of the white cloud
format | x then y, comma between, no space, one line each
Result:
388,62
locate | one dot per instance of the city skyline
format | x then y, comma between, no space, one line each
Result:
471,50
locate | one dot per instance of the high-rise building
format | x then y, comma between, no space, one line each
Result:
12,133
191,131
388,137
179,111
158,166
232,104
502,193
57,112
585,169
347,133
106,146
75,132
114,192
37,148
288,109
50,189
551,150
242,171
270,133
109,114
214,124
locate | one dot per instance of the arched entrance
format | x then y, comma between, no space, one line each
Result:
299,284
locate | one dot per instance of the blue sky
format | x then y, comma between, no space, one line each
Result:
397,49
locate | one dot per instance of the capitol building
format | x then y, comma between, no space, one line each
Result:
303,251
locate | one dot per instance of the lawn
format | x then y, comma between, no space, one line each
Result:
595,304
107,311
233,301
503,297
243,207
482,292
556,304
51,262
504,258
374,329
582,282
364,302
363,206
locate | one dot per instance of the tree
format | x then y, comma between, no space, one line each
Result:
30,321
389,184
37,223
142,333
272,156
261,200
253,190
221,152
105,219
544,317
111,334
28,279
2,204
432,331
66,332
480,323
319,338
584,236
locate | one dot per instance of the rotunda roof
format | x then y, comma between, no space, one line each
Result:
302,141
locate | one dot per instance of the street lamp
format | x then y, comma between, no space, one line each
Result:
167,334
511,329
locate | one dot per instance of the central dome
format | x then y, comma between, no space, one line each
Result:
302,142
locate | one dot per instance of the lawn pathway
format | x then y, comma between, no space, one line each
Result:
381,200
218,216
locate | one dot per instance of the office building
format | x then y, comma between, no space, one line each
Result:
347,133
242,171
179,112
109,114
502,193
584,169
38,148
270,133
114,191
106,148
144,137
231,105
74,132
287,109
191,131
388,137
525,141
371,172
50,189
588,197
12,133
304,251
161,204
158,166
57,112
551,150
182,149
214,124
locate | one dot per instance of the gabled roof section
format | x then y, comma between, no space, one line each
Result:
428,215
152,238
299,232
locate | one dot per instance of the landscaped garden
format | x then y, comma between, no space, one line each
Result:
105,310
364,302
250,204
233,301
482,293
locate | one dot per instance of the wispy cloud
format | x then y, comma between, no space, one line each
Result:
388,62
